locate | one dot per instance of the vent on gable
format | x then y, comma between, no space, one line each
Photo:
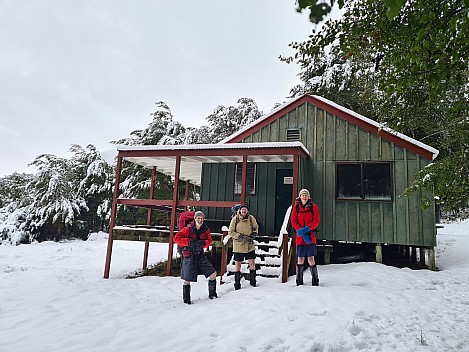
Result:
293,134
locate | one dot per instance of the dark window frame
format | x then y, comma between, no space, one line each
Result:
238,182
363,190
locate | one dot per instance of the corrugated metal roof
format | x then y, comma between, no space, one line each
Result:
163,157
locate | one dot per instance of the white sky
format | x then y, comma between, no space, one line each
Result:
88,72
54,298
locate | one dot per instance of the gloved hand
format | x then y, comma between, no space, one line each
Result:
252,236
304,232
198,245
246,238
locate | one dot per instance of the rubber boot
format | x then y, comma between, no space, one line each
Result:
212,289
237,284
299,274
186,294
314,275
252,277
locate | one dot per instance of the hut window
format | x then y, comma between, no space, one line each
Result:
250,178
293,134
364,181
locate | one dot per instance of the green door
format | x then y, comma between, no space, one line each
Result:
283,195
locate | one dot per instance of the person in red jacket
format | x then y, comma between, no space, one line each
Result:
193,239
305,219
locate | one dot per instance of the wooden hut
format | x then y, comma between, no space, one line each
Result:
355,168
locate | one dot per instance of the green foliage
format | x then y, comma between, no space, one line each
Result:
426,43
409,72
318,11
449,179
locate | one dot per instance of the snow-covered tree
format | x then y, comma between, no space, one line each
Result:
12,225
12,213
224,121
70,197
175,134
157,128
12,189
199,135
93,180
67,197
55,203
162,130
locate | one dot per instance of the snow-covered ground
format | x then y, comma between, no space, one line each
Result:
53,298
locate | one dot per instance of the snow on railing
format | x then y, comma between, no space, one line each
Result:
227,237
283,229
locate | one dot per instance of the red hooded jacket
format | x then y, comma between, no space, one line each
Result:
305,217
189,233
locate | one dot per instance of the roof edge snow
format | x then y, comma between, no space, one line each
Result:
336,109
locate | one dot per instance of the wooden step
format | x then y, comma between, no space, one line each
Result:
268,261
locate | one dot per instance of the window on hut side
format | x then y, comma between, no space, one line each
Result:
366,181
250,178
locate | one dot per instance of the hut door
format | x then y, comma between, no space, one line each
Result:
283,192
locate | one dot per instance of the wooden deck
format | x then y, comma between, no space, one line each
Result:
159,234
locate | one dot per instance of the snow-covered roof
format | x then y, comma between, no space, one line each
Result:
338,110
163,157
266,145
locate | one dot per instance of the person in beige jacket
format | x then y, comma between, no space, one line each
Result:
243,230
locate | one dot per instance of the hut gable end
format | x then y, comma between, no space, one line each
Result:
317,121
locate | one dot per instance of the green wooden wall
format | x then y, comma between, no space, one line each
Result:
218,184
331,139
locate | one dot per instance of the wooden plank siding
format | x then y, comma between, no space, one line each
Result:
262,204
331,139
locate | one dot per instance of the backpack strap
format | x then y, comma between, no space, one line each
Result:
297,205
250,221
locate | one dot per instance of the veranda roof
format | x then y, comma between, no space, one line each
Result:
163,157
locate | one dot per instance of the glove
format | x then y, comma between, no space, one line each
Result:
252,236
198,245
246,238
304,232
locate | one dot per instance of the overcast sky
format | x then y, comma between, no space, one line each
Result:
88,72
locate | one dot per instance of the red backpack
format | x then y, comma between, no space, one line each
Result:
185,218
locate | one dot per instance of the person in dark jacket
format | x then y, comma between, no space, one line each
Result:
193,239
305,219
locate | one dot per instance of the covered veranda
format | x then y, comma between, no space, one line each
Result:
184,163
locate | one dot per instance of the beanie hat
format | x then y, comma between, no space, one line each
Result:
304,190
199,213
244,205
